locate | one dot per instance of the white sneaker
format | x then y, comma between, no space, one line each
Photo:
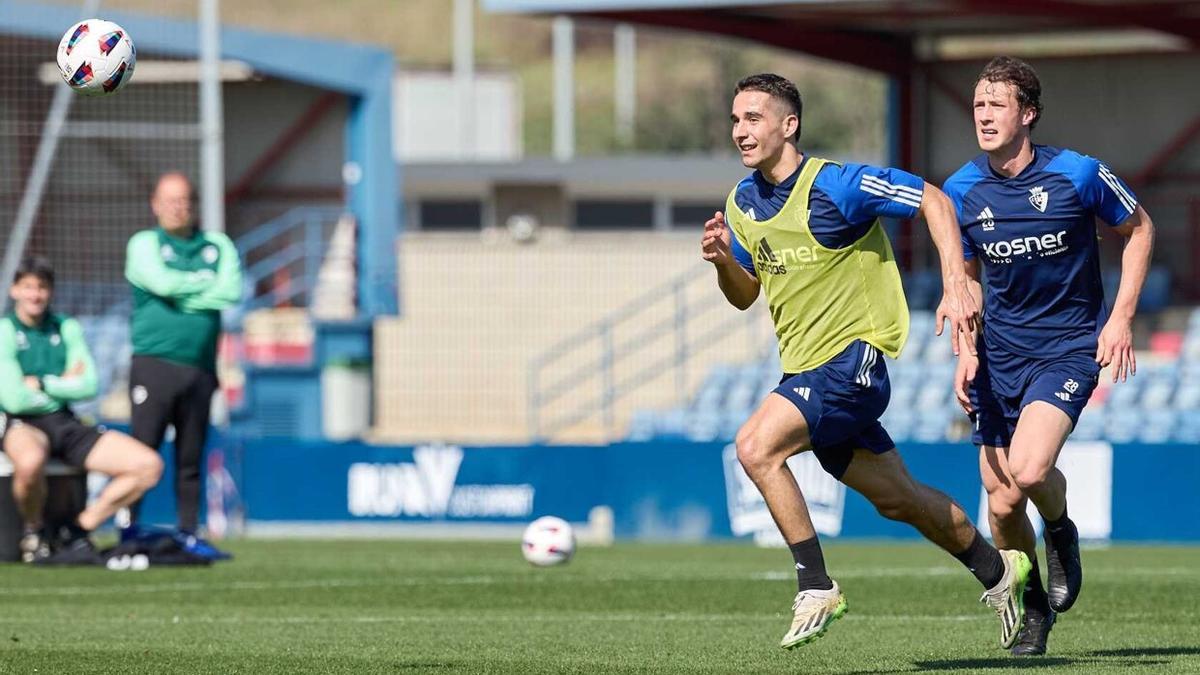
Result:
813,612
1007,598
33,547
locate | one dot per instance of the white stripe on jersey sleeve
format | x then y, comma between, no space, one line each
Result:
907,201
892,188
1107,171
1111,181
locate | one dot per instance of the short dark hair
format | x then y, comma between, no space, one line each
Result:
1020,76
779,88
35,266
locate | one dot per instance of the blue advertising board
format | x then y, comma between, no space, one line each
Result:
667,490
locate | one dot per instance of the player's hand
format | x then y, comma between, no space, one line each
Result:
968,365
961,307
75,370
714,245
1115,348
33,383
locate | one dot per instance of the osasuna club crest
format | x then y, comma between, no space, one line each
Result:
1039,198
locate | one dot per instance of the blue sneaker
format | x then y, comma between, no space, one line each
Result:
198,546
145,534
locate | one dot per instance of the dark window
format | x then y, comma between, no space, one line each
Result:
693,215
594,214
451,214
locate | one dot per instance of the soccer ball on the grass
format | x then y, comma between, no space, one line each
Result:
96,57
548,541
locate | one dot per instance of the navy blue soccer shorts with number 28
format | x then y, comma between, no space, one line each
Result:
841,401
1007,382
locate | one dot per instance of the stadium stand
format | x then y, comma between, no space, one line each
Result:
1160,405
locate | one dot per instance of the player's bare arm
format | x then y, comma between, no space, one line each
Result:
1115,345
968,360
739,287
958,303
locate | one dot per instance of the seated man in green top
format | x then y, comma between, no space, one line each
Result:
44,366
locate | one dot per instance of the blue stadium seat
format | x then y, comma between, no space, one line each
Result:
1187,396
1159,426
1188,429
1157,394
1090,426
1123,424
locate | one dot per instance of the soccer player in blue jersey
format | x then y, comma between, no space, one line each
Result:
806,232
1027,214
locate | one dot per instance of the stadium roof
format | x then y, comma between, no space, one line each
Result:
342,67
885,35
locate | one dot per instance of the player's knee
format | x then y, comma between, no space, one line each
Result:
1030,476
755,456
896,508
27,474
1005,505
149,470
27,469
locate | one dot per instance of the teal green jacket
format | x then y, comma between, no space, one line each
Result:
180,287
48,352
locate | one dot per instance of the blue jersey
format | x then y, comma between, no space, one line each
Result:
1035,235
844,202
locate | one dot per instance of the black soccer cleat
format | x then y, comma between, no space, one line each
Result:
1031,641
1064,570
79,551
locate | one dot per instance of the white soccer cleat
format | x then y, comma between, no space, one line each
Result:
1007,598
813,612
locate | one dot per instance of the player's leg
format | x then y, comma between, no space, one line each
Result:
1011,529
133,469
28,448
883,479
775,432
1055,397
152,394
191,415
1041,432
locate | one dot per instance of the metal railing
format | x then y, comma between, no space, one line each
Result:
294,243
602,354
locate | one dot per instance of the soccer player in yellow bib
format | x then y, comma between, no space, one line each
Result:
806,231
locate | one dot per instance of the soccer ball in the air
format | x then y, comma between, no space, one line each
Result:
548,541
96,57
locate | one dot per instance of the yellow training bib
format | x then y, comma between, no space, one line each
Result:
822,299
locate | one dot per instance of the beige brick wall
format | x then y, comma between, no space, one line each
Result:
455,366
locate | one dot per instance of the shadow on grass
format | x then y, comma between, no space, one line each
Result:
1108,657
1147,651
999,663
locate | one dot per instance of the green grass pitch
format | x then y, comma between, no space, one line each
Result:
426,607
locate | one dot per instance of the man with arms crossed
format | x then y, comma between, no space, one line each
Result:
807,231
182,277
44,366
1028,213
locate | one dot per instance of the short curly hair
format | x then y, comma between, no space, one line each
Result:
1021,77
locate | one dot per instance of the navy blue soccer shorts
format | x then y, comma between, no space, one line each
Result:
1007,382
841,401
